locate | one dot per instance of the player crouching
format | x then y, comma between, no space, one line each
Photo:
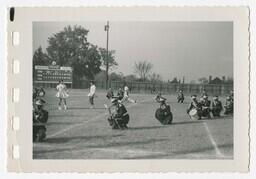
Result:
163,114
195,109
118,118
205,104
216,107
228,106
40,117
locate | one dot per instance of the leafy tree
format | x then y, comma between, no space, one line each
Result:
108,57
116,77
40,58
108,61
143,69
70,47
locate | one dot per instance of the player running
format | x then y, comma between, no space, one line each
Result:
126,96
62,94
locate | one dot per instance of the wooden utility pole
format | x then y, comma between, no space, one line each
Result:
107,65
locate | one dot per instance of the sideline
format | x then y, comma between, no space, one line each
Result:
217,150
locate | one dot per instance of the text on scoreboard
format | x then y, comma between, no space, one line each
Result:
52,74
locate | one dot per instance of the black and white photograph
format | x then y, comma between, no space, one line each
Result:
133,90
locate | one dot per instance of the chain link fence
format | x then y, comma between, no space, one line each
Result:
148,87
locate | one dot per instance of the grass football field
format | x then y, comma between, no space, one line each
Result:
83,133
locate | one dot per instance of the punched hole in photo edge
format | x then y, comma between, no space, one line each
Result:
16,67
15,95
15,123
16,152
15,38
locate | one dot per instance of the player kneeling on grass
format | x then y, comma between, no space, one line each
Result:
62,94
195,108
206,104
118,118
216,107
228,106
40,117
163,114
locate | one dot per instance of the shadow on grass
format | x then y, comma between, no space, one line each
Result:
62,123
64,115
186,122
147,127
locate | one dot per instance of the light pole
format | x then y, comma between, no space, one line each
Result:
107,65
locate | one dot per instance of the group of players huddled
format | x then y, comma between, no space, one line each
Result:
204,107
118,117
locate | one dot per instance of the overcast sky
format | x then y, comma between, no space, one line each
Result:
176,49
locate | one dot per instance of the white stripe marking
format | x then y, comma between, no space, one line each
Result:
80,124
218,153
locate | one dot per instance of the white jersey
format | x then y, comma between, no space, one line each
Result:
92,90
61,87
126,91
62,91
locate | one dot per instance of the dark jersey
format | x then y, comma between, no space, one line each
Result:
120,94
110,94
216,105
40,116
206,103
229,104
121,111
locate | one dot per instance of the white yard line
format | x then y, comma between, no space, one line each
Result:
92,119
217,150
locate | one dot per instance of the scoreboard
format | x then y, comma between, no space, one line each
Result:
53,74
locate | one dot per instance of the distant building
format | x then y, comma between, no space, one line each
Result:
216,81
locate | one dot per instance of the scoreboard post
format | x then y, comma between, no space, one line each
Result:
53,74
